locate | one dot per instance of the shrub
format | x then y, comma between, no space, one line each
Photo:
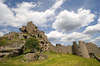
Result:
3,41
32,45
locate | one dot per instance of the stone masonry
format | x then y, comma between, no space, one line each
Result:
80,50
83,50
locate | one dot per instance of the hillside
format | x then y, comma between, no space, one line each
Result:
53,60
31,47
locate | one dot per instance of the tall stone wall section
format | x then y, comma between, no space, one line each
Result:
75,48
80,49
83,50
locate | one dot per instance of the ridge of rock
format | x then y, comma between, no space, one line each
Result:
14,41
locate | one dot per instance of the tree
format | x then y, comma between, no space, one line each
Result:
32,45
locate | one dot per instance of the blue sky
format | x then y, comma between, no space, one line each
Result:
63,21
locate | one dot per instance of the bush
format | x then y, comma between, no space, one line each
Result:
32,45
3,41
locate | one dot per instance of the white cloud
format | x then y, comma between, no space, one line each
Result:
75,36
2,0
6,15
26,5
59,37
68,21
3,31
24,13
91,30
55,36
57,4
1,34
99,20
96,40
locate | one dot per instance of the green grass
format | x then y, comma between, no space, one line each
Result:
53,60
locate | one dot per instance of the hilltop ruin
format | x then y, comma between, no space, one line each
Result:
14,43
82,49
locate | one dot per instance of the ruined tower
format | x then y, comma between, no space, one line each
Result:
80,49
83,50
75,48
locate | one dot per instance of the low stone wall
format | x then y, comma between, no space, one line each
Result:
81,49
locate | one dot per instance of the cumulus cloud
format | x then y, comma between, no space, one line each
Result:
99,20
57,4
1,34
75,36
6,15
3,31
59,37
2,0
17,17
94,29
55,36
91,30
68,21
96,40
25,13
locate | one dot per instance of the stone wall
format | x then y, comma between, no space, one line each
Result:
92,48
75,48
83,49
61,49
80,49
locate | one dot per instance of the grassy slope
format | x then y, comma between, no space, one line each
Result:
53,60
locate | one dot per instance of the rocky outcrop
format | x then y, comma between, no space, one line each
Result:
11,35
32,31
13,42
34,57
31,57
42,57
11,50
